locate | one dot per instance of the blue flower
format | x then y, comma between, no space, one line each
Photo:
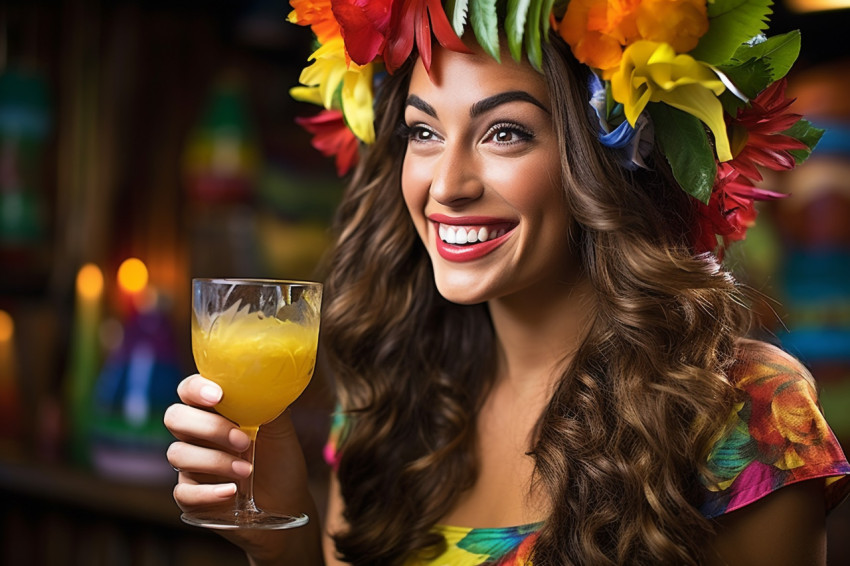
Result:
633,143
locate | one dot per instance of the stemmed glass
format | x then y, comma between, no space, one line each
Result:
257,339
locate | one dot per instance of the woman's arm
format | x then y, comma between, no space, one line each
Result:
785,528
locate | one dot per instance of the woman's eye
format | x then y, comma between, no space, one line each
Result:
420,133
507,134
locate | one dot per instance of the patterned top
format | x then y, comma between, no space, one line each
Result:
778,437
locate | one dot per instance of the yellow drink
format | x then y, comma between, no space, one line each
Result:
261,364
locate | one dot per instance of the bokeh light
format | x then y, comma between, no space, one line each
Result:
90,281
132,275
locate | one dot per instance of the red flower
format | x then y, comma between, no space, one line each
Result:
412,20
757,140
756,133
730,211
364,25
332,137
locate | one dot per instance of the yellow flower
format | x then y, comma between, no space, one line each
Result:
653,72
322,79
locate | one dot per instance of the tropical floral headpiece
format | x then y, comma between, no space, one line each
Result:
696,77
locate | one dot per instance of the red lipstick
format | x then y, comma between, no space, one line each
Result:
469,252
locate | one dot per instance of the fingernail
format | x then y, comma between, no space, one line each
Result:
225,490
211,393
241,468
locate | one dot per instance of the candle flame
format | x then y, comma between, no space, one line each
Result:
132,275
7,327
90,281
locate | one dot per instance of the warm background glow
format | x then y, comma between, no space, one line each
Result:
90,281
7,326
816,5
132,275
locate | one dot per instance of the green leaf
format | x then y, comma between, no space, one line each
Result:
457,11
731,23
532,35
545,12
751,76
515,25
485,24
810,135
613,110
730,103
683,140
779,53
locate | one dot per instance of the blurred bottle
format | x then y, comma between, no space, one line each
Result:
24,122
24,126
221,166
221,160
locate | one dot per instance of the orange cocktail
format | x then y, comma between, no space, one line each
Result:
261,363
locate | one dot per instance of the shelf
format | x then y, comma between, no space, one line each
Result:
82,489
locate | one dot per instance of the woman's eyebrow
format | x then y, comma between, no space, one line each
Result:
481,106
416,102
491,102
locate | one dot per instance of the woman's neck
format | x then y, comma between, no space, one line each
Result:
538,330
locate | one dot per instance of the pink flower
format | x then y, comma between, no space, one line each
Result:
332,137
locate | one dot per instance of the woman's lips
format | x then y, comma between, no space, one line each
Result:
468,238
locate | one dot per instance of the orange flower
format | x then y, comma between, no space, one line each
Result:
318,15
678,22
599,30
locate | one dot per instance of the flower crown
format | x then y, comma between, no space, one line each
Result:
696,77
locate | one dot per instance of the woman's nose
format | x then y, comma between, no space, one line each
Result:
456,179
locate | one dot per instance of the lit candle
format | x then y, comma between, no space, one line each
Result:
85,356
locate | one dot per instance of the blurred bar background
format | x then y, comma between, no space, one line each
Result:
146,142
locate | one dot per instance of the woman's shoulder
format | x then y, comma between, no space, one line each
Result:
756,359
776,435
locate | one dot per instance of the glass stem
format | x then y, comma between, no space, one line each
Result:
245,506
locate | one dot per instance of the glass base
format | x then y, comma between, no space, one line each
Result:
244,520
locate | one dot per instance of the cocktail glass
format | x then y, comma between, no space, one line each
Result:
257,339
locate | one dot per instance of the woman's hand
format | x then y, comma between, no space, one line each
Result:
207,457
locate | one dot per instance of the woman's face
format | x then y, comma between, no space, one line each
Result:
482,177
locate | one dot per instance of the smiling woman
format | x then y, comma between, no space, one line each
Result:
482,157
538,355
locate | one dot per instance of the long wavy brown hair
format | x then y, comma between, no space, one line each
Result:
620,449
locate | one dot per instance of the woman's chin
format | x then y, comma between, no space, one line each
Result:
463,291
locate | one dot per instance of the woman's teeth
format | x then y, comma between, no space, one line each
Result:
462,235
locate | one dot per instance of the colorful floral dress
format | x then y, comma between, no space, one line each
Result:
778,437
